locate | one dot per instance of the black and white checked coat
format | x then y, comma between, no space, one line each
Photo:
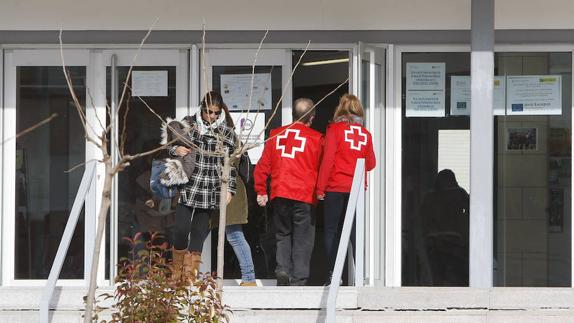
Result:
202,190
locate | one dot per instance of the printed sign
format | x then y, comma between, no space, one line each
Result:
425,90
534,95
460,95
149,83
235,90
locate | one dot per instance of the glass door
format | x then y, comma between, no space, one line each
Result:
158,84
38,190
370,75
229,72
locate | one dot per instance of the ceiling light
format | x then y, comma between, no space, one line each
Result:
327,61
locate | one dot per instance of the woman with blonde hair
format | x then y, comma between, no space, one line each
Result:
346,141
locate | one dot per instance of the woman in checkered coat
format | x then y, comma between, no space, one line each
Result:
211,136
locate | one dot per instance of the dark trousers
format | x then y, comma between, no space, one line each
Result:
295,224
334,207
191,228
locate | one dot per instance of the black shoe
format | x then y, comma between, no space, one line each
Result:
282,279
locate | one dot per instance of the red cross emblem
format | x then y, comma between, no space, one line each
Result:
290,143
356,137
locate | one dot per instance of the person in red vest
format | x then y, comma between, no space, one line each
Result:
346,141
291,158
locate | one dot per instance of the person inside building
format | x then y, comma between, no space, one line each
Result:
291,159
445,225
346,141
200,196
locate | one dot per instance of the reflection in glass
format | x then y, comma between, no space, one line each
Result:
45,192
445,221
138,211
434,210
532,180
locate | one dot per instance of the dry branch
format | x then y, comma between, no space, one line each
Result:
33,127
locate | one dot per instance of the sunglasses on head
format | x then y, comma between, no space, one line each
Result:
210,112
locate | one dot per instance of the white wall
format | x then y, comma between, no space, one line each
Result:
276,14
234,14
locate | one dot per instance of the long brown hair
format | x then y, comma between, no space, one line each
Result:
349,105
215,99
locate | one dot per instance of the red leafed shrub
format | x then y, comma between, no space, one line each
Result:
145,291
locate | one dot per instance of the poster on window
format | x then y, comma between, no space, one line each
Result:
149,83
534,95
235,90
425,90
460,95
252,124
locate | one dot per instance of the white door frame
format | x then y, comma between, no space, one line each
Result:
13,59
243,56
374,223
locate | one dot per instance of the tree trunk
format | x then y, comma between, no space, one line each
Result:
222,219
105,206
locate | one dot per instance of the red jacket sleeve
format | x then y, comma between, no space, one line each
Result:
263,169
371,160
327,161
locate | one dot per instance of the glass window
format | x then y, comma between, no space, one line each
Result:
532,162
435,175
45,192
138,210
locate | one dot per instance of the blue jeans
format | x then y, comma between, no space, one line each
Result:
234,234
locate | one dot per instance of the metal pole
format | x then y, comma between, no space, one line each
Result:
114,154
85,185
481,144
358,184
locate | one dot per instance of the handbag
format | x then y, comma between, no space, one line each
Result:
168,173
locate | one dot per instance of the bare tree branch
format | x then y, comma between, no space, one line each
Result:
81,164
31,128
77,103
128,158
310,110
284,91
95,110
203,70
128,77
123,136
253,80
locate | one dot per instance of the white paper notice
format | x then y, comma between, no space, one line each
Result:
425,90
253,123
235,91
149,83
460,95
534,95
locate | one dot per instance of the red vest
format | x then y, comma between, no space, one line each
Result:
292,159
344,144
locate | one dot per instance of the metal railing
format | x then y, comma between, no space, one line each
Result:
83,191
356,206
